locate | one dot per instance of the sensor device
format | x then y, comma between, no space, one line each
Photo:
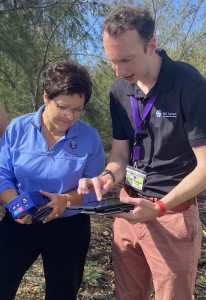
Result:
26,203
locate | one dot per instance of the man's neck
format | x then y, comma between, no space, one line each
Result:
147,83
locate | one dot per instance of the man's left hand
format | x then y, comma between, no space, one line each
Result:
144,209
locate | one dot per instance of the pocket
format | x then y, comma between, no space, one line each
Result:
179,226
187,226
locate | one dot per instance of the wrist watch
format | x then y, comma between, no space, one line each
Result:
107,171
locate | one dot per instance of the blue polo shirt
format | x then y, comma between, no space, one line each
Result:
27,164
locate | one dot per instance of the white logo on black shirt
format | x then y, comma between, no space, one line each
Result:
165,114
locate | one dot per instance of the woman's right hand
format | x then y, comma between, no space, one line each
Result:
27,219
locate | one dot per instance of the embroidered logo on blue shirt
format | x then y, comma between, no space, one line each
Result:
73,146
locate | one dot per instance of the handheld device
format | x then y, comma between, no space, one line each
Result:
26,203
104,207
40,215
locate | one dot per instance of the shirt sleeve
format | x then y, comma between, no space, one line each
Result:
194,105
7,176
95,164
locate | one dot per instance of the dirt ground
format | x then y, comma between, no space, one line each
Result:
98,281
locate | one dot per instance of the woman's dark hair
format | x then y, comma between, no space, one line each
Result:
67,78
129,18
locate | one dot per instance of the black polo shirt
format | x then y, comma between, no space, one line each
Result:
175,124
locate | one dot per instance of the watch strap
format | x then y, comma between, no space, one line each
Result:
107,171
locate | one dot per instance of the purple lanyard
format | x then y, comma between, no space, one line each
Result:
138,121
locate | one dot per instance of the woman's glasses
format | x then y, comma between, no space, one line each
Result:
77,112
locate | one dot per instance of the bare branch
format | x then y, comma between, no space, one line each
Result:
154,10
186,49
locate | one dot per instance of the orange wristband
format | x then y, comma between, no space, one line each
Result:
162,208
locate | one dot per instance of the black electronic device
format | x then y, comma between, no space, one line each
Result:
41,214
104,207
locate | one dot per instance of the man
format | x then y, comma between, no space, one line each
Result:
4,120
159,147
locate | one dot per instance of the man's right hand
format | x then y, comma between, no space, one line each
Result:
100,185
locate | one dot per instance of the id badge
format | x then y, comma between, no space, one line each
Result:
135,178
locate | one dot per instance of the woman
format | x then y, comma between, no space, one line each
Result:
50,150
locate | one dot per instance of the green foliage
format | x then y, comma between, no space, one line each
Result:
204,232
201,280
203,248
91,272
98,112
36,33
180,28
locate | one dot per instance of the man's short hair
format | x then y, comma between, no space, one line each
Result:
129,18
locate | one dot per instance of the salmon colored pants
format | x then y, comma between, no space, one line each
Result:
163,252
